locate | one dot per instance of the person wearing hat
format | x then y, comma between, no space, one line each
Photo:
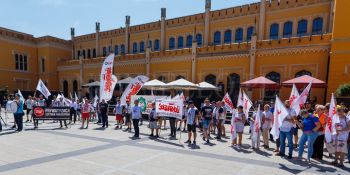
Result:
19,113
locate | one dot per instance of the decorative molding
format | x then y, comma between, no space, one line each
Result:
170,59
293,50
223,57
294,68
279,68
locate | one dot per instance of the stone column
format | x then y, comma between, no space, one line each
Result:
98,39
194,61
72,34
127,24
162,29
148,62
252,57
207,22
262,19
331,16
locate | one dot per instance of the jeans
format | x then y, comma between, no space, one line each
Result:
73,115
135,123
19,120
310,138
172,121
104,120
283,136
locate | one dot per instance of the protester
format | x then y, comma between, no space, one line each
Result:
220,118
172,121
207,116
213,122
127,114
78,111
191,123
60,103
103,110
85,113
310,126
286,131
319,142
153,119
256,131
73,111
136,114
239,119
183,120
29,103
41,101
266,125
18,115
118,110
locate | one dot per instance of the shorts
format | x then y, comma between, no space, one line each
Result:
205,123
85,115
191,128
28,111
154,125
118,117
295,131
183,117
341,146
221,122
214,121
127,118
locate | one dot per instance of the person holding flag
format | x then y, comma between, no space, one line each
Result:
256,131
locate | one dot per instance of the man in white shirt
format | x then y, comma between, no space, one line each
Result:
286,131
29,103
73,111
136,114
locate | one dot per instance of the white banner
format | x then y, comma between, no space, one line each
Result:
279,115
169,108
247,104
43,89
228,103
330,126
107,79
293,95
133,88
145,102
300,101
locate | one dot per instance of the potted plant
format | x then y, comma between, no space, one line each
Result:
343,94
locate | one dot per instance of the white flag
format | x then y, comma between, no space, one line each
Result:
300,101
133,88
279,115
95,101
257,125
228,102
293,95
43,89
233,125
20,95
330,126
247,104
240,98
107,79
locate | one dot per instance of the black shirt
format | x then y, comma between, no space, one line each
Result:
207,112
103,108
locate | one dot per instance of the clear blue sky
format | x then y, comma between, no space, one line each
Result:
55,17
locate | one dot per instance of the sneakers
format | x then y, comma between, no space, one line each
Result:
208,141
188,141
290,157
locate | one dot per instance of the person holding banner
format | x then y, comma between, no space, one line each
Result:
207,116
266,125
136,114
85,116
29,103
191,123
41,101
153,121
239,119
18,115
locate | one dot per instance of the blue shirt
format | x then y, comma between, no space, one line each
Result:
191,116
136,112
19,107
309,123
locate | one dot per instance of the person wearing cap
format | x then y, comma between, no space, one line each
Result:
136,114
18,115
310,126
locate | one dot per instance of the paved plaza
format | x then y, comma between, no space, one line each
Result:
50,150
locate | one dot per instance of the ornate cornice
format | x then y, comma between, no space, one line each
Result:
170,59
223,57
293,50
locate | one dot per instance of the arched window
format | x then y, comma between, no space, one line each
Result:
84,54
89,53
250,32
239,35
122,49
189,41
302,27
303,72
171,43
134,47
104,51
65,88
142,46
162,78
199,39
317,25
94,53
228,36
150,44
116,49
271,93
211,79
274,31
79,54
179,77
180,42
156,44
287,29
233,85
75,86
217,38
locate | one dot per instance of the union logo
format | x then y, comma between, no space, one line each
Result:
39,112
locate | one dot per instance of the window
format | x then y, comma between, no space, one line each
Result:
171,43
180,42
150,44
239,35
250,32
317,26
78,54
179,77
199,39
233,85
162,79
65,88
42,65
142,46
84,54
21,62
156,44
104,51
89,53
217,38
287,29
274,31
122,49
270,94
228,36
189,41
75,86
211,79
134,47
302,27
94,53
116,49
302,73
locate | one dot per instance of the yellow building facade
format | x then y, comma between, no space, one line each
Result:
277,39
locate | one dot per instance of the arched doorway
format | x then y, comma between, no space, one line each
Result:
303,72
75,87
65,88
233,85
270,94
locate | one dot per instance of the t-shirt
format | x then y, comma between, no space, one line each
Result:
287,125
118,109
103,108
41,102
29,104
85,108
219,113
309,123
152,115
207,112
19,107
341,124
136,112
191,116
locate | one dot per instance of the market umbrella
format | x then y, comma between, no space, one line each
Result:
92,84
260,82
303,81
125,80
206,86
154,85
181,84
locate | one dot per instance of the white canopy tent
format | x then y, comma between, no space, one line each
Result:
154,85
206,86
125,80
92,84
181,84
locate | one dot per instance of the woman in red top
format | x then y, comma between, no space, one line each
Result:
85,110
